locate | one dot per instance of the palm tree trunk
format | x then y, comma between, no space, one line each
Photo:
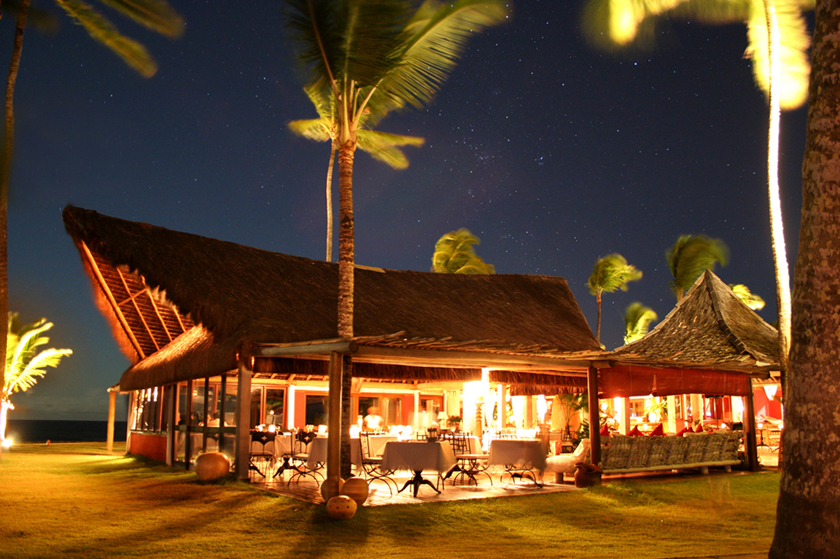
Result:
5,180
598,328
777,232
329,203
346,258
346,242
808,512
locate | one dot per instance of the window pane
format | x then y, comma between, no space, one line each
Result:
275,400
316,410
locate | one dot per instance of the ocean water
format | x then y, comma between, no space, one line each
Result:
42,430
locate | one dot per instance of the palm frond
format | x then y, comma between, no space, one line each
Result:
348,40
26,378
315,129
791,85
691,256
156,15
100,29
750,299
432,43
455,254
384,146
610,273
637,321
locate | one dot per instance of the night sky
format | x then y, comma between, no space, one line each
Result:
551,152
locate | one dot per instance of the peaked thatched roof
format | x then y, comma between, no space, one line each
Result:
710,328
239,294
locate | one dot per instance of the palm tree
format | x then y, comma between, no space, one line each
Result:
371,57
637,320
778,46
24,363
750,299
375,56
382,146
807,521
690,256
156,15
610,273
455,254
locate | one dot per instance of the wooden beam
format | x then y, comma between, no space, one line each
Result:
594,417
137,309
243,415
470,360
309,348
334,423
103,285
750,443
112,406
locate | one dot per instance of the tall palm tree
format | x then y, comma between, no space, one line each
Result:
156,15
610,273
691,256
750,299
455,254
382,146
778,46
25,364
371,57
375,56
637,320
807,520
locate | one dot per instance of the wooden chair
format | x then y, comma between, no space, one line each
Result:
372,465
469,464
300,458
262,459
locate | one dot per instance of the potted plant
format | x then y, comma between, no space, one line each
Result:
454,422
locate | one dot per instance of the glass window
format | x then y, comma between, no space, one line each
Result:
275,406
365,403
256,407
316,410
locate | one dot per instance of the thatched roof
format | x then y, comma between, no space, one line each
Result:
710,328
239,294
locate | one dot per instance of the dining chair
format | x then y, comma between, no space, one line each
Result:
262,458
469,464
300,458
372,465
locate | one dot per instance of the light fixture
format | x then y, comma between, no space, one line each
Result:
770,390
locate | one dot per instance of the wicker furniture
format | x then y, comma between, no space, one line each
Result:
625,454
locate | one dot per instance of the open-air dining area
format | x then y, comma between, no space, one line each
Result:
515,398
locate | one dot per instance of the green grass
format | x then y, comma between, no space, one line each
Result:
77,500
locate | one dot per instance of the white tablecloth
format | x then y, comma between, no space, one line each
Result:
418,456
377,447
518,452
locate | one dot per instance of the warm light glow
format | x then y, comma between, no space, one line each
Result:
7,443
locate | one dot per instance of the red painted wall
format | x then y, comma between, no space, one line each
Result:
150,446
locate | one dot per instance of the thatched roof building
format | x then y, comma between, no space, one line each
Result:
711,343
182,306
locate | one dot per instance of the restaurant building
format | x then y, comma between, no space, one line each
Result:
224,338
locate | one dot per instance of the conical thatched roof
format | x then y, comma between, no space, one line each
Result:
239,294
710,328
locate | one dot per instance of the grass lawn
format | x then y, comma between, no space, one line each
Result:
77,500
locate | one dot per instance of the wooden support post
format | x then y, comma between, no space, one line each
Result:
594,415
750,444
172,432
112,408
243,414
334,421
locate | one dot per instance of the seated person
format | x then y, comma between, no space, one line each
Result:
373,421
